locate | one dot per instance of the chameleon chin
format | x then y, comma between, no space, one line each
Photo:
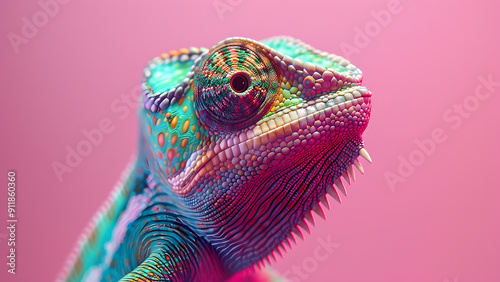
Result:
239,145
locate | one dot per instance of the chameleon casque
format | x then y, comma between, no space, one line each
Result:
238,145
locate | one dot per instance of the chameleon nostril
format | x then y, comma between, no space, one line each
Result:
239,82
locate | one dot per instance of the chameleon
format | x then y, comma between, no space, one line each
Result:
239,145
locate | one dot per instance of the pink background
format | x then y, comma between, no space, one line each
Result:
441,224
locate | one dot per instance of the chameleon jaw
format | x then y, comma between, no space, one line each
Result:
323,203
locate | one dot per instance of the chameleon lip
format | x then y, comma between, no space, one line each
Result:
334,95
183,184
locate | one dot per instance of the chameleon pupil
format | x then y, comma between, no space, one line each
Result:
239,83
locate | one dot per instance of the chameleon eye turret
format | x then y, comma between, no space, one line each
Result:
235,85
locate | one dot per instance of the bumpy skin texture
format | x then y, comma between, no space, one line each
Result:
238,145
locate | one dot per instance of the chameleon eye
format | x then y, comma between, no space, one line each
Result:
239,82
235,85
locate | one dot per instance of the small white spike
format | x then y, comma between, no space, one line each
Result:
332,192
273,253
319,211
292,238
304,226
268,260
284,247
346,177
340,186
297,232
288,243
310,218
358,166
350,171
254,269
324,201
279,251
365,155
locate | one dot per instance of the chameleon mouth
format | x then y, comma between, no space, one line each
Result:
289,129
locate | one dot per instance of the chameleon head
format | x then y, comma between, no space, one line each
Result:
267,137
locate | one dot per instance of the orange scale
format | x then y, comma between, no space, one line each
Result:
184,143
173,140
